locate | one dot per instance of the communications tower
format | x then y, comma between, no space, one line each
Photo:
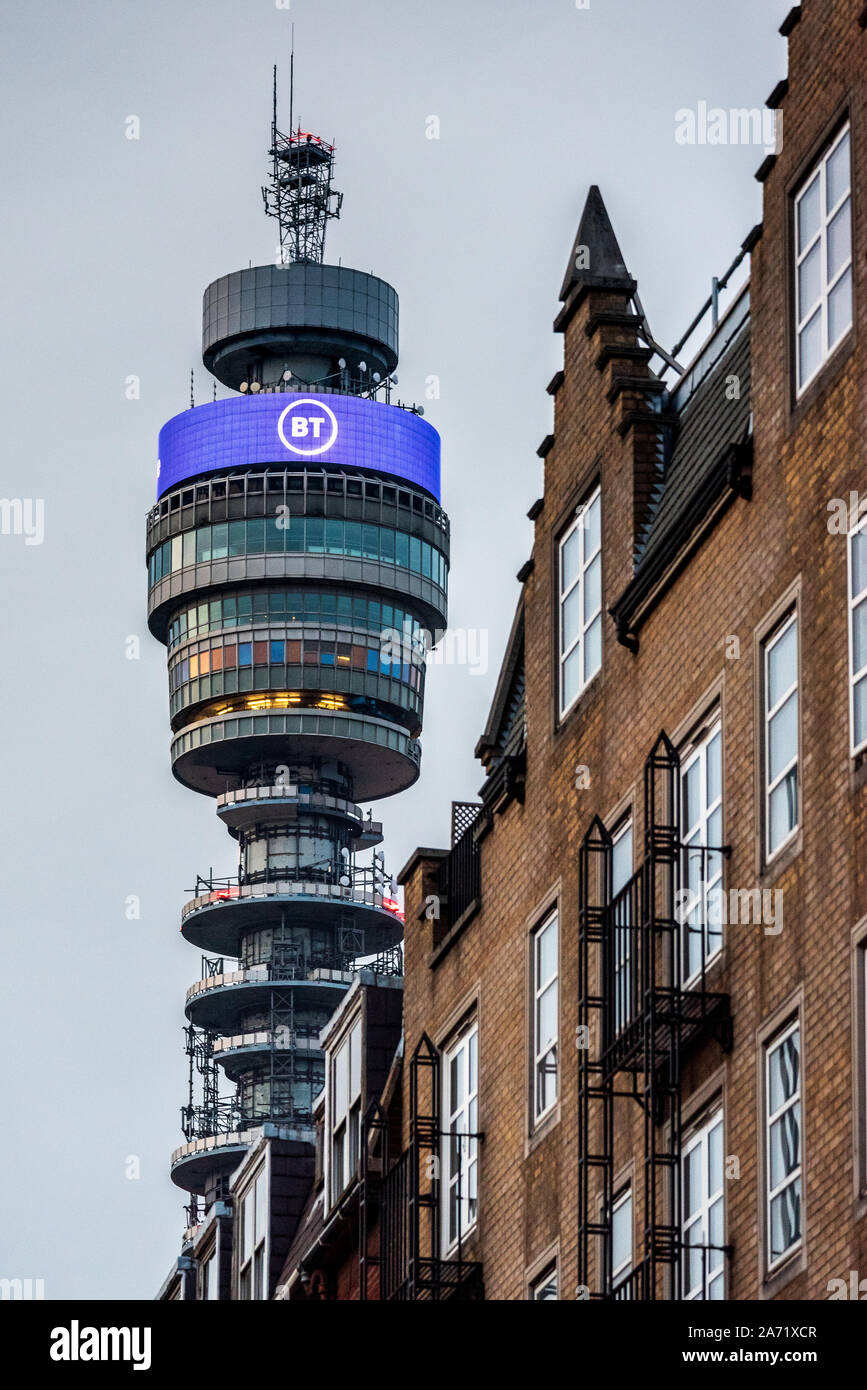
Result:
296,552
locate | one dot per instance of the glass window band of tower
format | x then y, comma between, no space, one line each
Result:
258,493
287,1098
279,535
313,668
291,947
315,607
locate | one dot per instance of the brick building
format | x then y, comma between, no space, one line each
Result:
639,974
632,1056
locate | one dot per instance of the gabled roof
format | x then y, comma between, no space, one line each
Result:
504,732
711,420
708,464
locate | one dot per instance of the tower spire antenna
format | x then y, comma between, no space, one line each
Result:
291,85
300,193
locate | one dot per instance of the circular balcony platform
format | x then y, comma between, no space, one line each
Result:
244,1052
216,921
217,1001
381,757
246,807
217,1156
193,1164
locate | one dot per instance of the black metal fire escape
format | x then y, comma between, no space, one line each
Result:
406,1195
636,1019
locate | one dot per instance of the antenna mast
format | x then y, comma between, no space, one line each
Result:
300,193
291,85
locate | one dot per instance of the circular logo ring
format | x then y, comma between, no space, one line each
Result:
320,448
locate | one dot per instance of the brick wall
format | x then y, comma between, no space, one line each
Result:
804,457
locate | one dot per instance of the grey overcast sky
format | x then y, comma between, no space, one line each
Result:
109,243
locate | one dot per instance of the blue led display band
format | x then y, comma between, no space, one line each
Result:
286,429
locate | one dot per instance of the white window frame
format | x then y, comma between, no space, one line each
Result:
820,238
577,585
253,1262
543,1048
210,1278
623,935
695,836
791,619
621,1272
854,603
548,1279
700,1139
771,1118
459,1122
344,1126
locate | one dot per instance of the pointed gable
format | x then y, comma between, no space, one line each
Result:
596,260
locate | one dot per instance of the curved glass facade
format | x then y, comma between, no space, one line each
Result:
312,606
303,535
283,1097
278,659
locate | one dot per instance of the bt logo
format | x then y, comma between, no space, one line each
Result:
307,427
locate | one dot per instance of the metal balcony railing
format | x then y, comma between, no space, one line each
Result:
671,958
460,873
205,1121
290,964
362,884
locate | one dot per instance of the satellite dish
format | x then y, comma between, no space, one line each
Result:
377,378
287,376
420,410
342,364
255,387
394,380
362,366
245,386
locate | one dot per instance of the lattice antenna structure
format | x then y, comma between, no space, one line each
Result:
299,192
